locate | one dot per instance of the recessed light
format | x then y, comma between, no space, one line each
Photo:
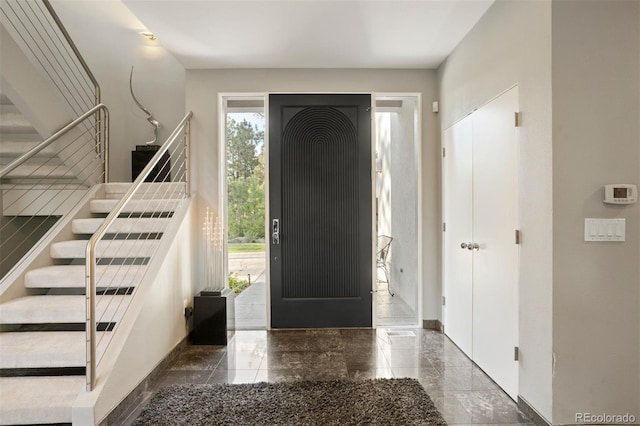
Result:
148,35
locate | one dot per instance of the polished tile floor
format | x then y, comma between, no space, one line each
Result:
251,304
393,311
460,390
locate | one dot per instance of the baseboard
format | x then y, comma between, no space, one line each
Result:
144,385
533,414
433,325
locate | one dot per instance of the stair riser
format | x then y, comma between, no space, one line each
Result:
119,249
24,202
60,309
147,191
73,276
45,350
54,397
10,150
37,171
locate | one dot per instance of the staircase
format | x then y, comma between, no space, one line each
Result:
68,354
17,137
43,343
40,189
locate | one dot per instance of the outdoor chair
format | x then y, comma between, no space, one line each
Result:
384,246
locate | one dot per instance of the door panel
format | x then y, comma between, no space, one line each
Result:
320,193
495,219
458,217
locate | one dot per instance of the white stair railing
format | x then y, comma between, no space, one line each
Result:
117,256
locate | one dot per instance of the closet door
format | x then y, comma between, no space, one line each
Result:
457,179
495,221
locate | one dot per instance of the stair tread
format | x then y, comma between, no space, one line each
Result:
76,249
13,120
40,171
148,190
34,400
59,309
135,206
73,276
46,349
130,225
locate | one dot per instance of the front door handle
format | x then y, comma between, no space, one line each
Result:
275,232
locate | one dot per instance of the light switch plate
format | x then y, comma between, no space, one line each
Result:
604,229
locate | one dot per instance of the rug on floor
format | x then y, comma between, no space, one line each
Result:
338,402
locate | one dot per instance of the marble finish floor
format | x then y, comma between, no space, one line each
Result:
460,390
392,311
251,304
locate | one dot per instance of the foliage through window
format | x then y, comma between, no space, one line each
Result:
245,177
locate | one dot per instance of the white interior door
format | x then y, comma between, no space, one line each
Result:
457,169
495,220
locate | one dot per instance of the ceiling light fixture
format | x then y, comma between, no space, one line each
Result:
148,35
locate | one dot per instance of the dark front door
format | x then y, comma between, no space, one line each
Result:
320,210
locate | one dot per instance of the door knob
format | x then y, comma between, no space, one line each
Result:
473,246
463,245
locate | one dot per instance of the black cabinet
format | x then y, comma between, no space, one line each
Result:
209,320
141,157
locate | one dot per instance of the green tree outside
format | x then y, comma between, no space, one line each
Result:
245,179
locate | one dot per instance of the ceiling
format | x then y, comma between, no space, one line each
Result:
309,33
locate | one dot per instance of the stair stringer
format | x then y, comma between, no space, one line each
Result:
153,324
12,284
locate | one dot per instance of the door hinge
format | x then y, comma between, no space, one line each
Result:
444,226
443,152
444,301
517,236
518,119
516,353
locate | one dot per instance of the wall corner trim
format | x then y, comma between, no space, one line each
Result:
433,325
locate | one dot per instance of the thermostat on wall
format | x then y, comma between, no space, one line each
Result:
620,193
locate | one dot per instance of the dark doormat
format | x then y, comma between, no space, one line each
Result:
340,402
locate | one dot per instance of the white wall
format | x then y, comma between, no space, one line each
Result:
106,34
596,140
397,192
383,175
512,44
203,87
152,326
404,205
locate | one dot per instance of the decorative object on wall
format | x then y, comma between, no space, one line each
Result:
150,119
213,268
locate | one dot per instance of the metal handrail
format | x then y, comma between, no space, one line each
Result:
57,135
90,253
73,46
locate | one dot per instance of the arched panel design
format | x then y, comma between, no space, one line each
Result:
320,205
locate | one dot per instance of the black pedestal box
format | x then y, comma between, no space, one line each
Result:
141,157
210,318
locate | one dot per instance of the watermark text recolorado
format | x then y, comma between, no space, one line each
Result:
605,418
